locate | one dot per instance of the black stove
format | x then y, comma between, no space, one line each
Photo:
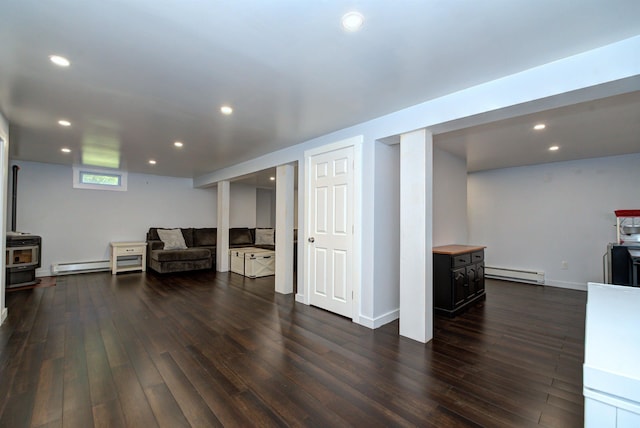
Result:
24,252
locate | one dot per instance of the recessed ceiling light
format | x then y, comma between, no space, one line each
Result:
65,150
152,162
178,144
554,148
352,21
539,126
272,178
226,110
59,60
63,122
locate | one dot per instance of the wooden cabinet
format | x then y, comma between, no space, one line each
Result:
458,278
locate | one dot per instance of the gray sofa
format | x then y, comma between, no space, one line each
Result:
199,254
201,248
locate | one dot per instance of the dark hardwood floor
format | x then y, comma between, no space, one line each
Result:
207,349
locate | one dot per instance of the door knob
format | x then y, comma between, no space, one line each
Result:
312,239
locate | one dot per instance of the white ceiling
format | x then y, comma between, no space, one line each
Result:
605,127
146,73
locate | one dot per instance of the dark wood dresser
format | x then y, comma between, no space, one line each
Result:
458,278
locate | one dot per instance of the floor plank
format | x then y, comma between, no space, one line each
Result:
218,349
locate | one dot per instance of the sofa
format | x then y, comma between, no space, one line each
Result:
195,248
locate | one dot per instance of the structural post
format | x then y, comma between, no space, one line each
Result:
222,244
4,180
284,228
416,212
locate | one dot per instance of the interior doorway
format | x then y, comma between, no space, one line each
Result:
330,209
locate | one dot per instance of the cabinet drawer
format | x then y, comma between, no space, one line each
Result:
129,251
477,256
460,260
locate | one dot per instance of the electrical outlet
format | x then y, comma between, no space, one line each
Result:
565,265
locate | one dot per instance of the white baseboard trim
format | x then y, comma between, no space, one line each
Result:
376,322
300,298
80,267
566,284
4,314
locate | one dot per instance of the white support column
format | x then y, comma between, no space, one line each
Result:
416,212
301,295
284,229
222,244
4,180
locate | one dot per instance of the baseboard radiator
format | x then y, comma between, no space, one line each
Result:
518,275
80,267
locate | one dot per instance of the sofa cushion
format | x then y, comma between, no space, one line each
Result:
172,238
152,235
155,245
187,234
180,266
212,249
240,236
205,236
265,237
180,255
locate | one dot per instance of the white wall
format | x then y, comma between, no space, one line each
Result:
78,224
386,266
536,217
265,208
449,199
242,209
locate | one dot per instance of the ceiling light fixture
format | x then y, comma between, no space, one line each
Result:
226,110
539,126
63,122
60,61
65,150
152,162
272,178
178,144
352,21
554,148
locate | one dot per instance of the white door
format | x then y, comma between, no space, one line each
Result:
329,245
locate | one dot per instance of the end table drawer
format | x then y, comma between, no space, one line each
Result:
129,251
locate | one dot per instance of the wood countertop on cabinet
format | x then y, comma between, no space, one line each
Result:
454,249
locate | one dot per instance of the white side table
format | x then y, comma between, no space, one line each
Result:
128,249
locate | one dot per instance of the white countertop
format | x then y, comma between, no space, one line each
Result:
612,341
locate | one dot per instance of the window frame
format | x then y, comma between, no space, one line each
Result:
79,171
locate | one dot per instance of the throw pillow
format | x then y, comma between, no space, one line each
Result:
172,238
265,237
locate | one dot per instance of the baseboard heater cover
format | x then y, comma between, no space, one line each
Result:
80,267
518,275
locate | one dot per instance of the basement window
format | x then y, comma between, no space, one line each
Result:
99,179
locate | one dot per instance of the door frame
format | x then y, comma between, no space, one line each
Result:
356,271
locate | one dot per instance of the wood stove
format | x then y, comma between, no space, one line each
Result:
23,258
24,250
